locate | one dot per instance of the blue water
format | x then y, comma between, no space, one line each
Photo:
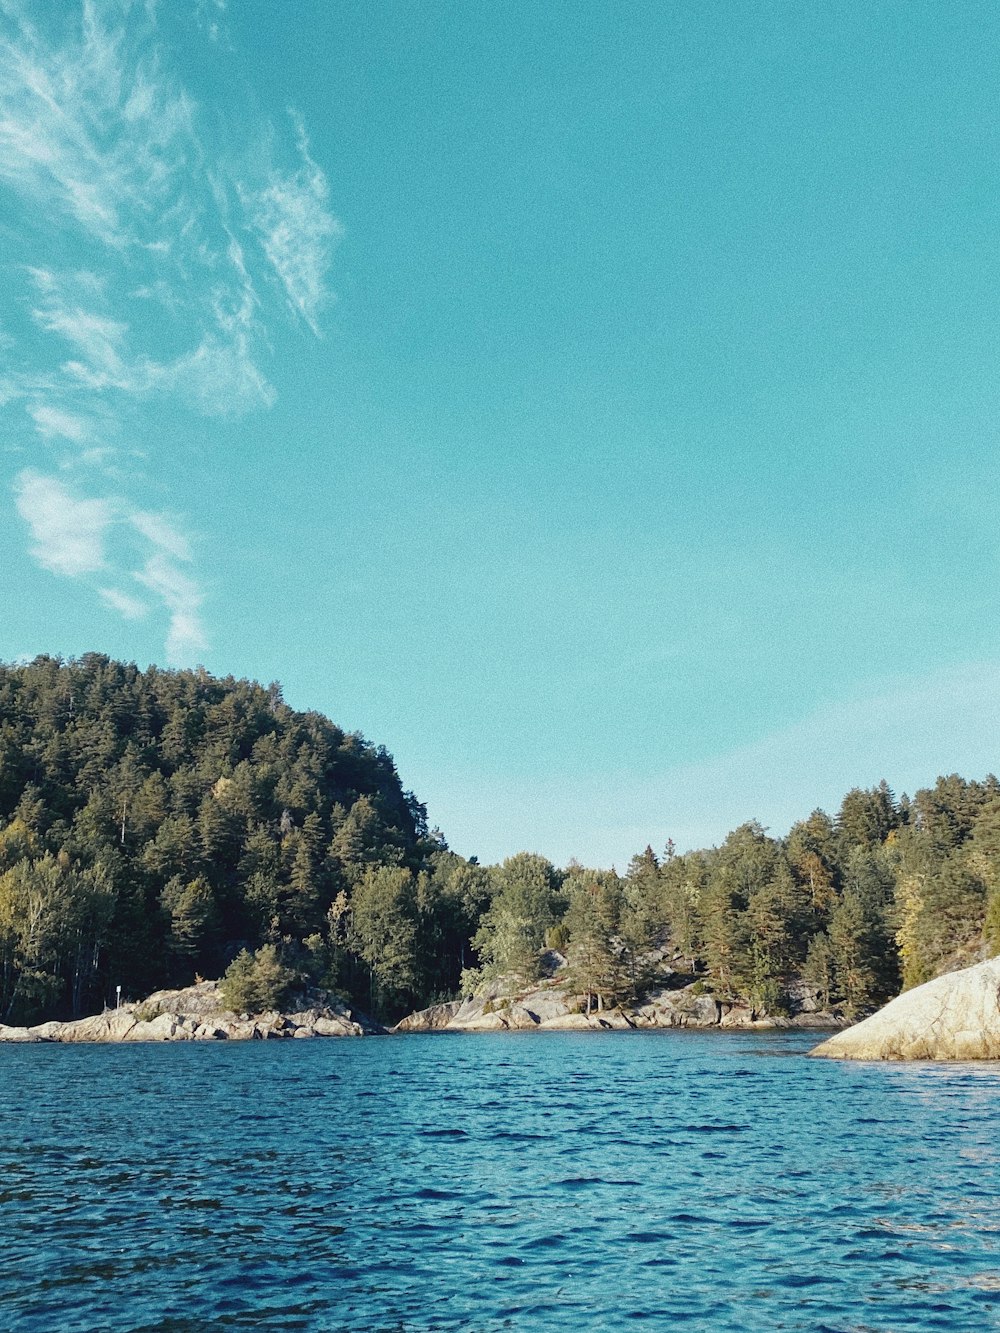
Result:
569,1181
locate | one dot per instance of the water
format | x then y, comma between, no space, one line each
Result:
569,1181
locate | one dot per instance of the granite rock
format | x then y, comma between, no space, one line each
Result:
953,1017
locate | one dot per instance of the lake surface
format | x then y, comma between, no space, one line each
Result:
577,1181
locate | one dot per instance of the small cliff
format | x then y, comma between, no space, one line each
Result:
198,1013
953,1017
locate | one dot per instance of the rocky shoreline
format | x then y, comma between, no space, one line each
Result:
552,1007
953,1017
197,1013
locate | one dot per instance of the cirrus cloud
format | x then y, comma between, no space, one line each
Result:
152,251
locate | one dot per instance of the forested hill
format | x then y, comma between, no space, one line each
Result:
156,825
153,821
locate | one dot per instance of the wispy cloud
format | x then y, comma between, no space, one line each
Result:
170,294
161,533
74,535
183,599
54,423
68,533
296,228
89,124
127,606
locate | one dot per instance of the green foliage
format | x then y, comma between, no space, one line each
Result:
383,932
256,982
991,924
524,906
53,922
558,937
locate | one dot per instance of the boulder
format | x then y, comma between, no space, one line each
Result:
325,1026
953,1017
432,1019
165,1027
210,1032
568,1023
46,1031
678,1009
114,1025
548,1003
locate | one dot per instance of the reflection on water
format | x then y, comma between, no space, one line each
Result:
570,1181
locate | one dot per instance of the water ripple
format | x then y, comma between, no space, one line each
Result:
542,1181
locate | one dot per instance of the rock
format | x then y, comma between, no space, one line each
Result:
678,1009
18,1034
953,1017
803,998
547,1003
46,1031
519,1018
493,1021
568,1023
165,1027
337,1027
737,1016
434,1018
111,1026
197,1013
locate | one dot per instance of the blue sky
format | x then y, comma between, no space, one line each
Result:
594,403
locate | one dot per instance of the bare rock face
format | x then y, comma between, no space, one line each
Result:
953,1017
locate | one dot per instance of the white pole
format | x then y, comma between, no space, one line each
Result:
118,997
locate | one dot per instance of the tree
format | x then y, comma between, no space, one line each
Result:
512,929
597,952
820,968
858,941
867,817
777,919
53,922
255,983
383,932
746,862
194,918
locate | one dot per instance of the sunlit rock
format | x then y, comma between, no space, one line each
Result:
953,1017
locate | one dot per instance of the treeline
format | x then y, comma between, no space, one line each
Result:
159,825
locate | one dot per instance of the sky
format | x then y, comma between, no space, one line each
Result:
596,404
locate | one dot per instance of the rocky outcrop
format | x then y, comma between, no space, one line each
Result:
953,1017
553,1005
198,1013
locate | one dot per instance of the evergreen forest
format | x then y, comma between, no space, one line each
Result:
158,826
